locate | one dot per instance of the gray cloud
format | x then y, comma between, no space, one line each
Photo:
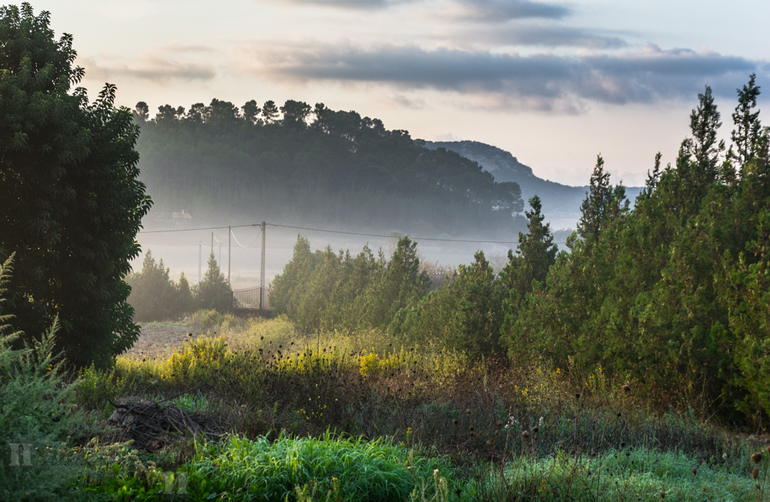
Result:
550,35
505,10
539,82
351,4
484,10
155,69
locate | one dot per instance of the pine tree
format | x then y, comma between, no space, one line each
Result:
213,292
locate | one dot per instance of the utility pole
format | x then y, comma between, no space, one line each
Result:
262,272
229,250
212,242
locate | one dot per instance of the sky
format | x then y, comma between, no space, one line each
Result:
553,82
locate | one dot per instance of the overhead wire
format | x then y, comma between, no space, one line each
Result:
330,231
248,245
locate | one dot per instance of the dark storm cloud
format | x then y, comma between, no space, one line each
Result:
541,81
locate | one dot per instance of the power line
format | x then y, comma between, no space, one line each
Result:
329,231
194,229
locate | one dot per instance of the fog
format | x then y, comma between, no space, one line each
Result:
183,251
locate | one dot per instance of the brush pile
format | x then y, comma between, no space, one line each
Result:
153,426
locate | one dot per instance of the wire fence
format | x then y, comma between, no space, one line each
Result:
248,298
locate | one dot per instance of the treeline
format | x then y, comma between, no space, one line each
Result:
671,297
313,165
156,297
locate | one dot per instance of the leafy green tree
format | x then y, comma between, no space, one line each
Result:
213,292
68,188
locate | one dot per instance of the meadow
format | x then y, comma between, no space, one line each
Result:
350,416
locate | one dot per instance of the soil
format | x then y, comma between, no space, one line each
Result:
159,339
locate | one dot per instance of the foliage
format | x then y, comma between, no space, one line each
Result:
434,403
71,200
36,416
154,296
213,292
326,291
312,166
669,295
464,314
353,470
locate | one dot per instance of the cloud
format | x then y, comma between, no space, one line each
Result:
351,4
544,82
505,10
550,35
480,10
154,68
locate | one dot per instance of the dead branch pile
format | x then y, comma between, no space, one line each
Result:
153,426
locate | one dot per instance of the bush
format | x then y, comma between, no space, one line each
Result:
154,295
35,417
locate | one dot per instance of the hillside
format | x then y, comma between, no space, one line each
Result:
221,164
561,203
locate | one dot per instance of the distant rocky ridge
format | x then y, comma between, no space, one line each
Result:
561,203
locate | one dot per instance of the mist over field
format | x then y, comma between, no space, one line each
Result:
180,251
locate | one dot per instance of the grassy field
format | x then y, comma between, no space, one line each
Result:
352,417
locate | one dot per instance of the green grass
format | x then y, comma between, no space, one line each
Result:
632,475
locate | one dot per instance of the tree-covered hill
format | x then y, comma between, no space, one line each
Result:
298,164
561,203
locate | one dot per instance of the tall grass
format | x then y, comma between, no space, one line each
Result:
525,432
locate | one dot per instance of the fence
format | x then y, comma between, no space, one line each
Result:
248,298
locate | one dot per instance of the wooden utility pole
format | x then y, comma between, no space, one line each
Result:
229,250
262,272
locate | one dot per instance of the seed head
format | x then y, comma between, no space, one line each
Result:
525,434
626,388
755,473
695,472
756,457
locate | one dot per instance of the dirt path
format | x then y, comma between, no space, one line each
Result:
158,340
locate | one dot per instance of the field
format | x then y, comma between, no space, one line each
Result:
351,417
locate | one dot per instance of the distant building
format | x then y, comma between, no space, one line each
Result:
182,215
